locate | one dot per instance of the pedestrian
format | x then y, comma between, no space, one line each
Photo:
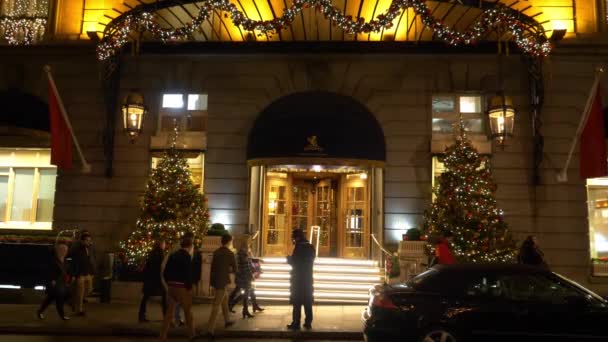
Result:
222,265
177,274
56,287
301,281
152,279
196,278
83,269
245,274
443,252
530,253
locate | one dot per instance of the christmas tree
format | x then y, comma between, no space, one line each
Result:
466,207
172,206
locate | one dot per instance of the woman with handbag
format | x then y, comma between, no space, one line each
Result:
245,274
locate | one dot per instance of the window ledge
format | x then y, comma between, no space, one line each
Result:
27,225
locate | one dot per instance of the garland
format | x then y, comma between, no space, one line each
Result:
499,16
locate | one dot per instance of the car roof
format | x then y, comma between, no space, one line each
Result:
490,268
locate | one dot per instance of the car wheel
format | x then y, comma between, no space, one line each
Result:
438,335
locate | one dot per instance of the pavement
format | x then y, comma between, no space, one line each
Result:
331,322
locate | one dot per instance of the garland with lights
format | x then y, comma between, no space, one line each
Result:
172,206
466,207
498,16
23,22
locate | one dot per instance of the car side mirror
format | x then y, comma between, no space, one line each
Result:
577,302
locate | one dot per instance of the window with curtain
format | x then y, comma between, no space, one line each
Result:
27,189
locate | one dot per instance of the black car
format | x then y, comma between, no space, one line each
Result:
478,302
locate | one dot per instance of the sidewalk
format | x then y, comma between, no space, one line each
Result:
330,322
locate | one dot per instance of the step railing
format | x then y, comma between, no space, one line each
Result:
385,253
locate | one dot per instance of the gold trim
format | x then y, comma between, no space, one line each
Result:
316,161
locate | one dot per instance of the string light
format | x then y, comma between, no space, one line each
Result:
465,205
498,16
23,22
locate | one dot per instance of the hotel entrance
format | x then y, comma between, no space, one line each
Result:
316,163
330,204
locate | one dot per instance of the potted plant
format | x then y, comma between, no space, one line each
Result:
412,253
212,240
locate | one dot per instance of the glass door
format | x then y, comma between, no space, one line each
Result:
301,198
325,215
355,236
276,217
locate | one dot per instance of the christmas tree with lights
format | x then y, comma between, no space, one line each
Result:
172,206
465,206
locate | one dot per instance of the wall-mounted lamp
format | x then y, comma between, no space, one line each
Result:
133,112
501,115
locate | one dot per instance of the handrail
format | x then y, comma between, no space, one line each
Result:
380,246
386,273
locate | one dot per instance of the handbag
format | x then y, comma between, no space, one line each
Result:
256,268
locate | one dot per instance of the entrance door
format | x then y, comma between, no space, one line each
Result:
277,233
313,203
355,235
325,217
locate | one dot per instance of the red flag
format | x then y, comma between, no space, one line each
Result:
593,159
61,138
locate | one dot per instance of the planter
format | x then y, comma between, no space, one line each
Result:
211,243
600,269
412,248
412,256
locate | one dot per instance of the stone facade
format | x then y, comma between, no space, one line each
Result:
396,88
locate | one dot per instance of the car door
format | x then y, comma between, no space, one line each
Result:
479,308
550,309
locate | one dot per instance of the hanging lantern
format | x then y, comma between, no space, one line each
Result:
133,112
501,115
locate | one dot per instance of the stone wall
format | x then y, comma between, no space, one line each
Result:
396,89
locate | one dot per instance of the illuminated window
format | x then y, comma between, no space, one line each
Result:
188,111
27,189
196,164
447,108
597,204
173,101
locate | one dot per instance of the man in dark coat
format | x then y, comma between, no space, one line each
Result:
301,287
153,285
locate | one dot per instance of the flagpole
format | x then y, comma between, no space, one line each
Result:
562,176
86,167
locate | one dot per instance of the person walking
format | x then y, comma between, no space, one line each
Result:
222,265
301,281
245,274
152,279
530,253
83,268
443,252
56,287
177,275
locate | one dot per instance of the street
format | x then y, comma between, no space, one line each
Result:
38,338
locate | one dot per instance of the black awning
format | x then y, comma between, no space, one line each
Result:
316,125
23,110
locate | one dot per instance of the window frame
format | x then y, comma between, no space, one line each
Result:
446,115
182,114
37,167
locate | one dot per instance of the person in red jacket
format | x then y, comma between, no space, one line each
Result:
442,249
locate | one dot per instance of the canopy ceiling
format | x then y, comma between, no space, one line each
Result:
311,25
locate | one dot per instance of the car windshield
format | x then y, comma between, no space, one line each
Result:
418,281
